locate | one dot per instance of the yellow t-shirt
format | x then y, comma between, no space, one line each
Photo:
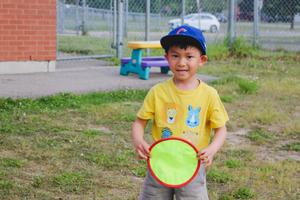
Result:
188,114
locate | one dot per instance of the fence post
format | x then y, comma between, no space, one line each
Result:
199,11
147,24
77,17
255,23
120,29
231,23
126,19
114,10
61,14
83,24
182,11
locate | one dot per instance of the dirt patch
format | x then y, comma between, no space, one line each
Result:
238,138
263,152
7,154
101,129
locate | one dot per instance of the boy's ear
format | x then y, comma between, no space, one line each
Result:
203,59
166,56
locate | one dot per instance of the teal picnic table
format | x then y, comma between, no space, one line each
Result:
141,65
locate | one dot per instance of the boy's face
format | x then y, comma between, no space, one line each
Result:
184,63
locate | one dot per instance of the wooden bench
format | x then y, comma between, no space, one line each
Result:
141,65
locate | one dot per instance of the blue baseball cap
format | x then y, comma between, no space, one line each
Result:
185,32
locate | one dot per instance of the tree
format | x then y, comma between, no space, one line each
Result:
281,10
246,10
290,8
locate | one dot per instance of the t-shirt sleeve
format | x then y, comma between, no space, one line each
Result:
217,113
147,110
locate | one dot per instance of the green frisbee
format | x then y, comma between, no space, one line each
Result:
173,162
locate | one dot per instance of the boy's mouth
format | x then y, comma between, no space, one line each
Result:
181,70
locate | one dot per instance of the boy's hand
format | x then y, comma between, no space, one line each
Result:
206,156
142,149
140,145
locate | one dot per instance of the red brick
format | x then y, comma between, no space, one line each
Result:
3,21
16,22
9,37
28,29
4,11
10,27
9,5
15,11
23,6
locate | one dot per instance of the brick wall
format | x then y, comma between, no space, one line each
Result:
27,30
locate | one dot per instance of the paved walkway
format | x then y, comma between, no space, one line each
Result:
76,78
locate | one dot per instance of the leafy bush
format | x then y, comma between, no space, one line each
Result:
233,163
240,47
258,136
244,193
295,146
247,86
218,176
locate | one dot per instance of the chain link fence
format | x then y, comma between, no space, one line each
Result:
270,24
99,27
84,29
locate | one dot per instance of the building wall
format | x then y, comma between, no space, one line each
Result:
27,34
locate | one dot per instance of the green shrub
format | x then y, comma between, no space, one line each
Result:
226,197
233,163
8,162
217,51
240,48
295,146
244,193
71,181
227,98
258,136
247,86
218,176
5,186
91,133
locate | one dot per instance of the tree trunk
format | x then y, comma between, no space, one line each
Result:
292,22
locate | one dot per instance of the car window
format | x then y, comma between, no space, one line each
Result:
189,16
206,17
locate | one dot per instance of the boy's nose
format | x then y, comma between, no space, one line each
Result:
182,62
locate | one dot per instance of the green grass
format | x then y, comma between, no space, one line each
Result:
218,176
233,163
71,181
5,187
79,146
259,136
85,45
294,146
244,193
9,162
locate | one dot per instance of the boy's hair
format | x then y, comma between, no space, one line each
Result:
182,44
184,36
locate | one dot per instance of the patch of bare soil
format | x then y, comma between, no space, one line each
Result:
7,154
102,129
238,139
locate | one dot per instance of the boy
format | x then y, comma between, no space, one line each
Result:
170,105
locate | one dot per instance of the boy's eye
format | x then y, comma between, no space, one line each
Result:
174,56
189,57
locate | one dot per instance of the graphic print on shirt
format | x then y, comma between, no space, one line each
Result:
166,133
171,114
193,120
192,137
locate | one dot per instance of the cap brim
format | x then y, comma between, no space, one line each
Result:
169,40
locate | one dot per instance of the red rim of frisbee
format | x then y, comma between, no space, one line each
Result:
166,184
